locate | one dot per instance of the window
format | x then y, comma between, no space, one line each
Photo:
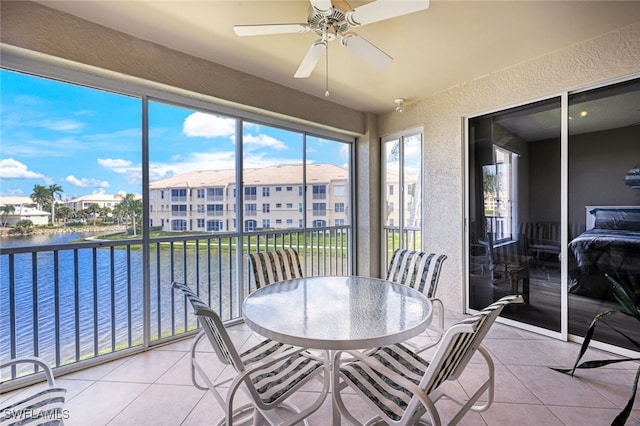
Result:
265,208
266,223
319,209
289,205
289,221
339,222
402,199
278,205
250,209
200,193
339,207
178,195
215,194
265,191
250,225
250,193
179,225
179,210
319,223
289,188
278,221
200,208
215,209
319,192
200,223
214,225
278,189
499,195
338,191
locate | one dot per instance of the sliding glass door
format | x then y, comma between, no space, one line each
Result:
539,176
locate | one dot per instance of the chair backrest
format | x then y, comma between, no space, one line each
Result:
416,269
272,266
460,342
214,329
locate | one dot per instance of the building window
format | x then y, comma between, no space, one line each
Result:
179,210
215,209
266,223
250,209
319,223
214,225
338,191
179,225
278,189
265,208
250,225
289,221
319,192
215,194
200,208
278,221
300,191
289,205
265,191
390,189
339,207
339,222
319,209
200,223
250,193
278,205
178,195
200,193
289,188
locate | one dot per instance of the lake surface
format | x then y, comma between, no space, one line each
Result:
90,300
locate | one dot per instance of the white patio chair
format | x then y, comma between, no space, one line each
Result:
39,408
420,271
401,387
268,373
272,266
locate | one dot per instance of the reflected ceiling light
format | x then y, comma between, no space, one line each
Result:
583,113
399,104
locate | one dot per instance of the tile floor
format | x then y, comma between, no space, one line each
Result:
154,388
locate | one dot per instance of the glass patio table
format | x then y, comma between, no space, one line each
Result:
337,313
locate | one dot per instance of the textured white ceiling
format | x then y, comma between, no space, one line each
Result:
450,43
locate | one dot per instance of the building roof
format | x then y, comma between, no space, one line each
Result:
271,175
15,201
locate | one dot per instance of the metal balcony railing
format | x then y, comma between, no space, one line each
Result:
85,302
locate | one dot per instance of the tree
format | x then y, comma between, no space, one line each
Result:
64,213
5,211
41,196
54,190
94,210
131,207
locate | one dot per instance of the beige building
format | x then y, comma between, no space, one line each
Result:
24,210
103,200
205,200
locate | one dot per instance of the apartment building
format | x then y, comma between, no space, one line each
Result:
274,198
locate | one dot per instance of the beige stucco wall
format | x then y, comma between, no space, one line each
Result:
611,56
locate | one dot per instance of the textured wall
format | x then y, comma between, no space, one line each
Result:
38,28
610,56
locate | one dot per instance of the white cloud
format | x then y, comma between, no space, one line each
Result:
62,125
86,182
208,126
13,169
263,141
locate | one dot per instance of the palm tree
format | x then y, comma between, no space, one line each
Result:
64,213
54,190
94,210
41,196
132,206
5,211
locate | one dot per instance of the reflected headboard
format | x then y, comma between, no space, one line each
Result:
590,218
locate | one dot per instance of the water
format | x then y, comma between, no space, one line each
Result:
44,239
89,301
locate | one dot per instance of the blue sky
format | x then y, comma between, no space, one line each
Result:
88,141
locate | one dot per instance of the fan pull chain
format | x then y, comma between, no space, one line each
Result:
326,74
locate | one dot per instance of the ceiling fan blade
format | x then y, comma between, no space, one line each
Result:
383,9
311,59
268,29
366,51
322,6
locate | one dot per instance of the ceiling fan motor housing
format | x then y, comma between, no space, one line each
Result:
333,24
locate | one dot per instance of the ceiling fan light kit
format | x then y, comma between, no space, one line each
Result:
332,19
399,104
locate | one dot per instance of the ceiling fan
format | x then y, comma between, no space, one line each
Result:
332,19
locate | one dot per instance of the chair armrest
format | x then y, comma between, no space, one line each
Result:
33,360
